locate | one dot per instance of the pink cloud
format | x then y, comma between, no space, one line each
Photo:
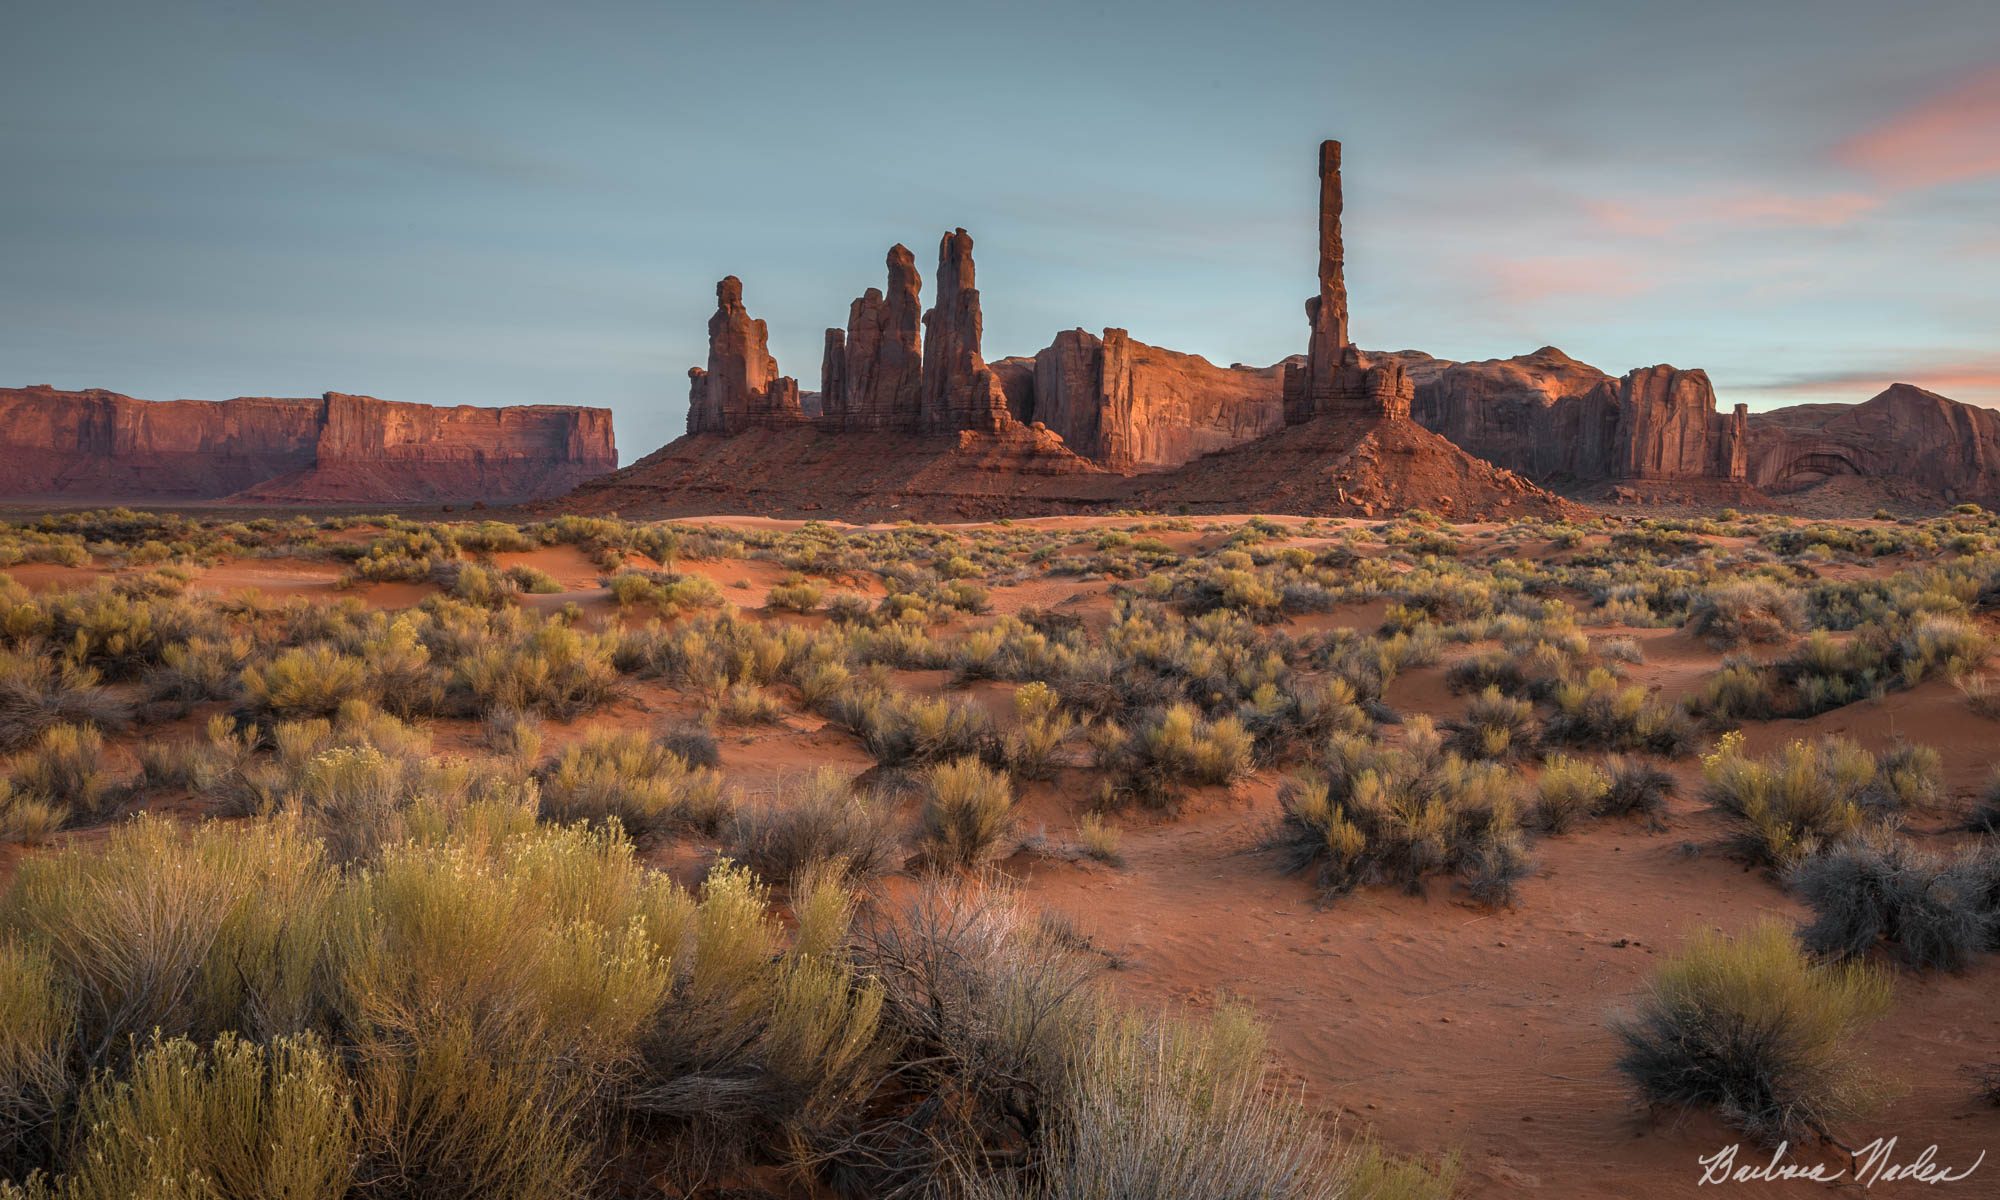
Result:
1952,135
1534,279
1756,208
1974,380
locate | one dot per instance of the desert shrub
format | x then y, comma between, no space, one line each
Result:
1748,610
633,778
306,681
667,592
747,704
1569,790
693,743
1098,838
1753,1029
1398,815
1806,796
968,811
1738,692
1283,720
186,933
400,675
1940,644
900,729
1170,750
1907,776
812,821
1596,712
1637,787
1040,729
796,594
27,820
1985,817
1874,890
1176,1109
1495,727
64,773
40,688
554,670
37,1023
234,1119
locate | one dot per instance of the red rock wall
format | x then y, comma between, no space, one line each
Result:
1551,417
1135,407
98,445
1917,437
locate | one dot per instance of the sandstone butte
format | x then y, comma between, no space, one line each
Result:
93,446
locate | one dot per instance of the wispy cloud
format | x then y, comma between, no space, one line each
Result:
1729,211
1535,279
1973,378
1951,135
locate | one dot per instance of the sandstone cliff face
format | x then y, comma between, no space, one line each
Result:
1919,438
98,445
1553,418
959,391
872,374
1135,407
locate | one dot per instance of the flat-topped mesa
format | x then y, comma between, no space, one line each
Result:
1336,378
959,392
877,380
741,388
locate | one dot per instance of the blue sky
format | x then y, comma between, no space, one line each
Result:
502,203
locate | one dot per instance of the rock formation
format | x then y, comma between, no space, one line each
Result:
1929,446
1134,407
959,391
1336,378
877,381
1555,419
102,446
740,388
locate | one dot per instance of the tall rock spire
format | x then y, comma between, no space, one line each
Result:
1336,377
883,359
959,391
741,387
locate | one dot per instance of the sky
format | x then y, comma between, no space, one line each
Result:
504,203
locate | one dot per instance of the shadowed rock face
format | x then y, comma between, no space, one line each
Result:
98,445
741,388
959,391
1904,433
881,358
1134,407
1551,417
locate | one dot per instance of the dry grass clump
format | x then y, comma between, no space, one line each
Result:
1810,795
1495,727
1041,728
1755,1030
1568,790
1098,839
59,781
968,811
1168,751
900,729
1637,788
795,594
633,778
1747,610
665,592
306,681
1597,713
553,670
1400,814
1878,889
40,688
817,820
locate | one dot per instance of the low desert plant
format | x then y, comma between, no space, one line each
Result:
1495,727
1098,838
1638,787
1755,1030
306,681
1751,610
1040,729
63,773
1569,790
1596,712
968,812
814,820
631,777
1790,804
40,688
1931,913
